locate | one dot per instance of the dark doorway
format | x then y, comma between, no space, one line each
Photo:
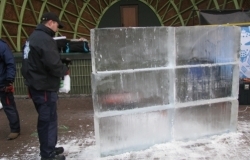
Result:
129,16
112,17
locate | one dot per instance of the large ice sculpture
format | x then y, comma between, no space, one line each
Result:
157,84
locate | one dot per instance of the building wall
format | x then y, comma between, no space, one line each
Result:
80,75
19,18
146,17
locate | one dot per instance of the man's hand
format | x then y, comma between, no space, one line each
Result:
66,61
67,73
9,87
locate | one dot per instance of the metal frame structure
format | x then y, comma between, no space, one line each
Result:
19,17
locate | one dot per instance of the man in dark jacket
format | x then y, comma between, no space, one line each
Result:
7,77
42,70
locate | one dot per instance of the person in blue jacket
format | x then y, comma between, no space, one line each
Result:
7,77
42,69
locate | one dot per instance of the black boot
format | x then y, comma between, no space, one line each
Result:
57,157
59,150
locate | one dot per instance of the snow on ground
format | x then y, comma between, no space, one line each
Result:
231,146
228,146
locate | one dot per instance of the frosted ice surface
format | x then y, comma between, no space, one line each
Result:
122,133
202,120
128,90
166,83
205,82
207,44
131,48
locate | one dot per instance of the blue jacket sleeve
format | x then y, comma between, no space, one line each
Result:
9,62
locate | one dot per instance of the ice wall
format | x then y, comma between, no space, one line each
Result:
157,84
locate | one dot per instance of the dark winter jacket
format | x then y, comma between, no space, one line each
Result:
7,64
42,67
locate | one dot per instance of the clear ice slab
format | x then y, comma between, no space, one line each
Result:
123,131
152,85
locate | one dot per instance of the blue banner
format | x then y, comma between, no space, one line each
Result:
245,53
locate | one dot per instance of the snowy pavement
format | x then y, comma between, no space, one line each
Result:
230,146
80,144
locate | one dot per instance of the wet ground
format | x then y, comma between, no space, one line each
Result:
75,119
76,135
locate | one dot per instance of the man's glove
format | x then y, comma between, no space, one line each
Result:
66,61
67,73
9,87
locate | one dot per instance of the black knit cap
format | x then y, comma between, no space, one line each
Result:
51,16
